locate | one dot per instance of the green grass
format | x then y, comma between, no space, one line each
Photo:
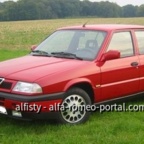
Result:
106,128
8,54
16,39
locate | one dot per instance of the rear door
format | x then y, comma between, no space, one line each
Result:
120,77
140,44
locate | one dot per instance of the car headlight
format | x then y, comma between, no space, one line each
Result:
27,88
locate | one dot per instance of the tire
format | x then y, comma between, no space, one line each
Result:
74,98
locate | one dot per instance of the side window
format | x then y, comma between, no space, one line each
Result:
140,40
122,41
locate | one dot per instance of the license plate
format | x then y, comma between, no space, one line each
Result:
3,110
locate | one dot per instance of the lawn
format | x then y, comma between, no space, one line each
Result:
16,39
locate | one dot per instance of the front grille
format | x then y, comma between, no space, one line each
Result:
6,85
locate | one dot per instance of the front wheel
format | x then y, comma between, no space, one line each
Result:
74,107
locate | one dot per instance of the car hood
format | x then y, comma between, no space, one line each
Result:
30,68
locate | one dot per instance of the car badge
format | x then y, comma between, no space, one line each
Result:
1,80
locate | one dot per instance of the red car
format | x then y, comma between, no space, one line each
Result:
74,67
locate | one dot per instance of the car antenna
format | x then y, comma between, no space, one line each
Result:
84,25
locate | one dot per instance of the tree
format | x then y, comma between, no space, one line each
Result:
129,11
107,9
140,11
48,9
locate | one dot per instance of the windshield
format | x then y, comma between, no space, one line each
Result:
80,44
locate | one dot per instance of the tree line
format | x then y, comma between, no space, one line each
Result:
50,9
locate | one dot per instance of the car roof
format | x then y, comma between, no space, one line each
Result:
106,27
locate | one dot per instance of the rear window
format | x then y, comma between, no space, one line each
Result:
140,41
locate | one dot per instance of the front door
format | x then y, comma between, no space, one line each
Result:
120,77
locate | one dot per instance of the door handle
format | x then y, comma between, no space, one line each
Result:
134,64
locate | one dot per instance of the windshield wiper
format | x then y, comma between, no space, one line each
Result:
40,53
66,55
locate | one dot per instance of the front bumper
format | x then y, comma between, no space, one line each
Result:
31,107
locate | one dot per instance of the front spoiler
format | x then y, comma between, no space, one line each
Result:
23,98
8,101
33,116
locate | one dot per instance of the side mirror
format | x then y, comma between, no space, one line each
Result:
110,55
33,47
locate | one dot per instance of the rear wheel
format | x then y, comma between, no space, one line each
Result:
73,107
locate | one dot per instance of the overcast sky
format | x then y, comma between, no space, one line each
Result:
119,2
6,0
124,2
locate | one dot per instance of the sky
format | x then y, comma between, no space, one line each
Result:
124,2
119,2
6,0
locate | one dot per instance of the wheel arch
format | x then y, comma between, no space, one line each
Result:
84,84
